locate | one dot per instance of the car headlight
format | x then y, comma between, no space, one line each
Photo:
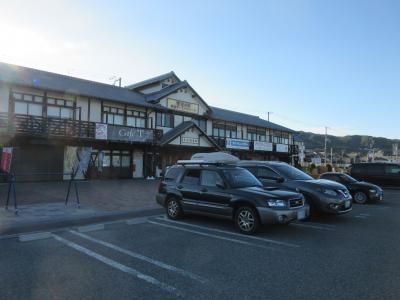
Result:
276,203
328,192
372,191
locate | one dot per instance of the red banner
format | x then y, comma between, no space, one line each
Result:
6,157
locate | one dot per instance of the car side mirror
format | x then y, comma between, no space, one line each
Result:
280,179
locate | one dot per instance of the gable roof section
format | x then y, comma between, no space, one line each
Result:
152,80
180,129
237,117
156,96
61,83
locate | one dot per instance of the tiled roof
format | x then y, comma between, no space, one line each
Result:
66,84
237,117
152,80
180,129
156,96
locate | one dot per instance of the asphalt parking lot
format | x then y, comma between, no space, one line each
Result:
346,257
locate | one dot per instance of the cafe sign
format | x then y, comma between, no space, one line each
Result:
184,106
123,133
262,146
237,144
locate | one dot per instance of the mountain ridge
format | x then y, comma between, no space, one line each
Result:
348,143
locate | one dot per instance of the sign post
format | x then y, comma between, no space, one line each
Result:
81,165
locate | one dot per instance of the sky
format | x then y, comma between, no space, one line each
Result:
311,63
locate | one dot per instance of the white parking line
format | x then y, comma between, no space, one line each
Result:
366,215
34,236
318,224
360,217
231,233
118,266
89,228
141,257
312,226
213,236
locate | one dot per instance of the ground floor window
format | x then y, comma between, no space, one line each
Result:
111,164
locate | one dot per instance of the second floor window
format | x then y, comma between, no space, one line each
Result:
136,118
26,104
256,134
225,130
164,120
60,108
218,129
281,138
231,131
113,115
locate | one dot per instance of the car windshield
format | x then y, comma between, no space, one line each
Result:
291,173
347,178
240,178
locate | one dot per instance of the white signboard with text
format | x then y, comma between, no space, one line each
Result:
263,146
237,144
282,148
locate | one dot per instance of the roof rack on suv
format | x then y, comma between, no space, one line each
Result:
213,158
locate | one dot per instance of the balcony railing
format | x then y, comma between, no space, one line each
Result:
13,124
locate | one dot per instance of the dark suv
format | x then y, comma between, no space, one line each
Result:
322,195
382,174
228,191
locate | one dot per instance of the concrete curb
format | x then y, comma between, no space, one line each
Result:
71,222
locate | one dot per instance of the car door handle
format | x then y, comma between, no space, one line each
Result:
179,187
203,190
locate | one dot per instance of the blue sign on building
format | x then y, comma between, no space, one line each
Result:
237,144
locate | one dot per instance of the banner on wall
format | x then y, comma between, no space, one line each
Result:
237,144
6,158
282,148
183,106
263,146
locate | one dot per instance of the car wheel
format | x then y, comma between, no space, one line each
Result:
174,209
360,198
246,220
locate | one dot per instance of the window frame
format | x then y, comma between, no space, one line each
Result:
182,180
211,171
31,102
163,116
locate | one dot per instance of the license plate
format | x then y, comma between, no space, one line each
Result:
301,215
347,204
380,198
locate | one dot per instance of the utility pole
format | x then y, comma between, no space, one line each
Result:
331,156
268,113
326,137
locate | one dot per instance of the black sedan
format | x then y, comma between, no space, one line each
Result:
360,190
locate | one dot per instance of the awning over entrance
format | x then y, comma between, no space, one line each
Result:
188,134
